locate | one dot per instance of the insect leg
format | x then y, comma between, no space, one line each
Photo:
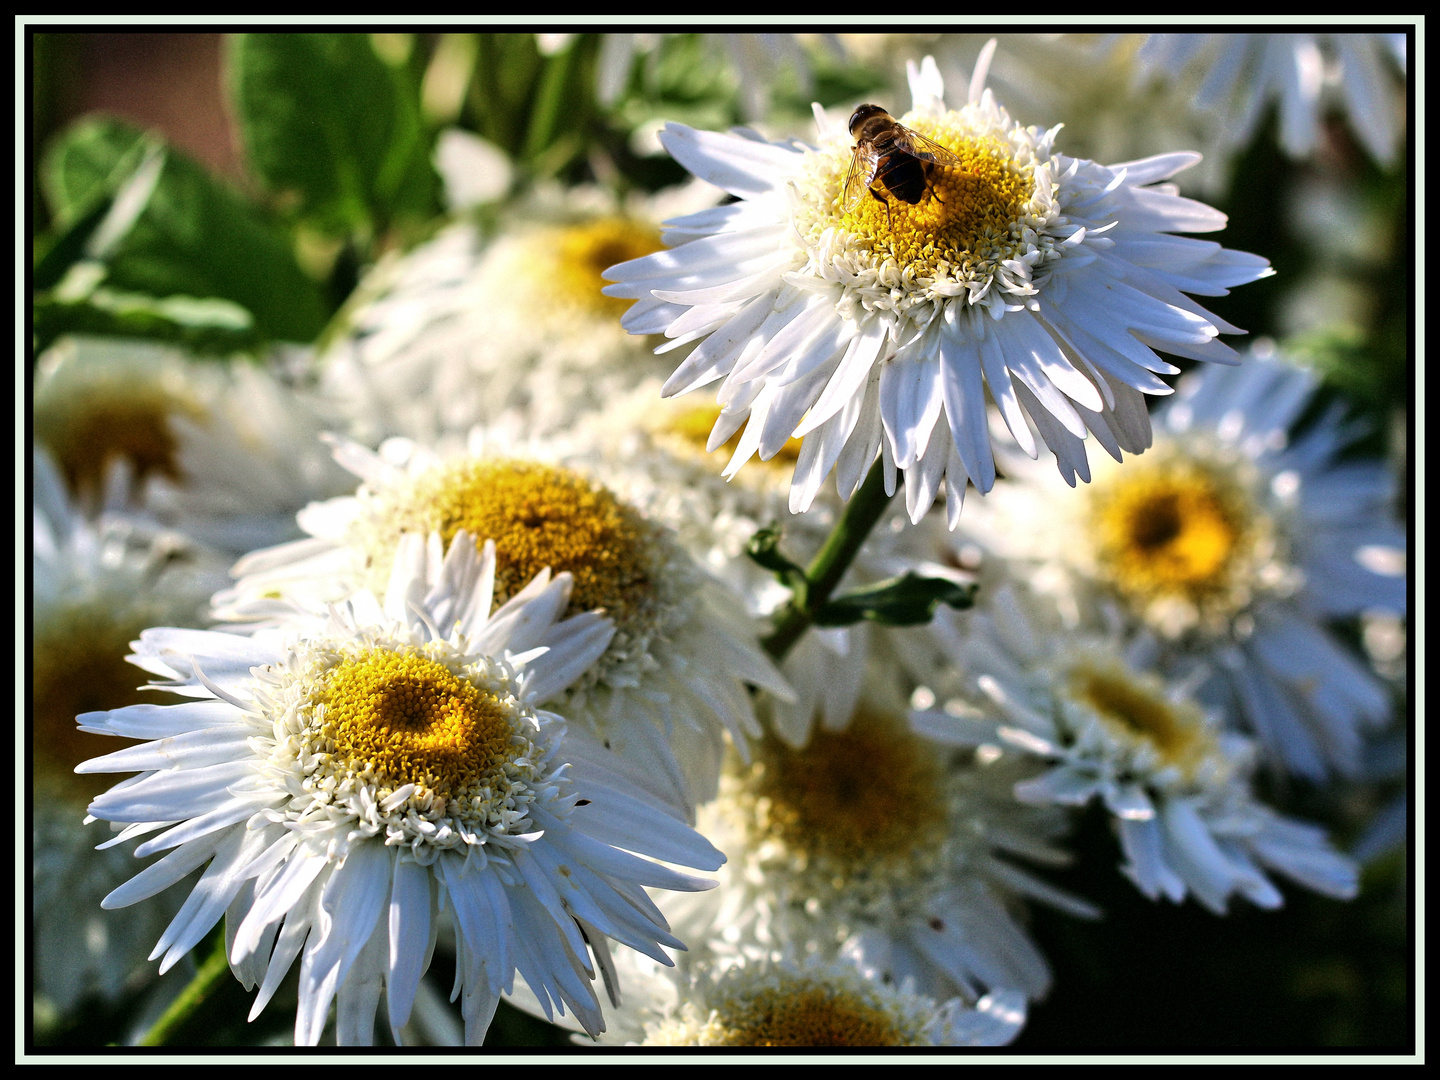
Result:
889,220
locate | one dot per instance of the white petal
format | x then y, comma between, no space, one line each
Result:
350,908
161,721
964,394
192,750
173,795
910,403
742,167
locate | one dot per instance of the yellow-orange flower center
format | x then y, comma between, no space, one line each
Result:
539,516
1136,709
801,1013
852,799
388,717
582,253
1168,529
79,666
691,427
969,218
90,432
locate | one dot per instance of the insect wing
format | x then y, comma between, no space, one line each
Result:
917,145
859,177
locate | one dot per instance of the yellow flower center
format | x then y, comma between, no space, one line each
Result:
969,218
1135,708
582,253
388,717
851,799
89,432
801,1013
79,666
539,516
1169,529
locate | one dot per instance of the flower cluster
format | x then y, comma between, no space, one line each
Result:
665,719
1047,280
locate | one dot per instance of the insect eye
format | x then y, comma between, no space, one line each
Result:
863,113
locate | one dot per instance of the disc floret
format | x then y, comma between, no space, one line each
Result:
990,223
1153,735
782,1005
539,516
424,744
579,254
1184,542
858,817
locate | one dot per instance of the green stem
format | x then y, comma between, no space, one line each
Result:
864,509
190,999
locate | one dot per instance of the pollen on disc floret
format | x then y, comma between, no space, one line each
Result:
854,812
996,206
423,743
1137,714
94,408
779,1005
545,516
539,516
1182,539
579,254
92,636
686,430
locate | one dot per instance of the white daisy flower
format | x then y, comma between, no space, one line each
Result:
428,352
778,1002
1177,785
222,451
347,783
1233,544
872,843
1239,75
675,679
1129,95
1046,279
96,586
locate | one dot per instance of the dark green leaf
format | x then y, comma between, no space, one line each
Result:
329,123
502,90
174,320
908,600
764,548
192,237
69,247
87,164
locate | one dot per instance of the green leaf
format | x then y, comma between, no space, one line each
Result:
764,549
502,89
908,600
205,327
87,163
181,234
328,123
68,248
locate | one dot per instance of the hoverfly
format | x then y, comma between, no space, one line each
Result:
889,157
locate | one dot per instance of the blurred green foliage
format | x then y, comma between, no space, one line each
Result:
332,130
170,229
